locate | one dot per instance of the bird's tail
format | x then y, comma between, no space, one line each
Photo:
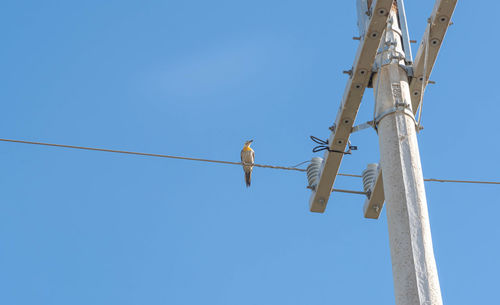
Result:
248,176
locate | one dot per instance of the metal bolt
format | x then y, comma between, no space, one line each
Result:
347,72
382,12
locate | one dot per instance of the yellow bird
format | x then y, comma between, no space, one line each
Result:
247,160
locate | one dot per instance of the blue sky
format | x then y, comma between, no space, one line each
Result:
198,78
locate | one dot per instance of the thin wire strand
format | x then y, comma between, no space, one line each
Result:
216,161
297,165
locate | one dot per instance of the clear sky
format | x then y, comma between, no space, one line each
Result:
198,78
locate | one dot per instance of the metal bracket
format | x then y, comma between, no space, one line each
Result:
409,71
369,124
400,107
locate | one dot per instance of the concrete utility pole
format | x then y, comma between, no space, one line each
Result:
399,181
413,264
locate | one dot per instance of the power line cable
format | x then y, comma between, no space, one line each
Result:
148,154
215,161
463,181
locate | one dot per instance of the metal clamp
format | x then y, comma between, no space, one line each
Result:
400,107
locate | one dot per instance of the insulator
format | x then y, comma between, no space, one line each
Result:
369,177
313,171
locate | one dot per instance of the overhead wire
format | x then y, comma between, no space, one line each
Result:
216,161
148,154
463,181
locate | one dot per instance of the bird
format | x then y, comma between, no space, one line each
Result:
247,160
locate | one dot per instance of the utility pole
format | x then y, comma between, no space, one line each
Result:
399,84
413,264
